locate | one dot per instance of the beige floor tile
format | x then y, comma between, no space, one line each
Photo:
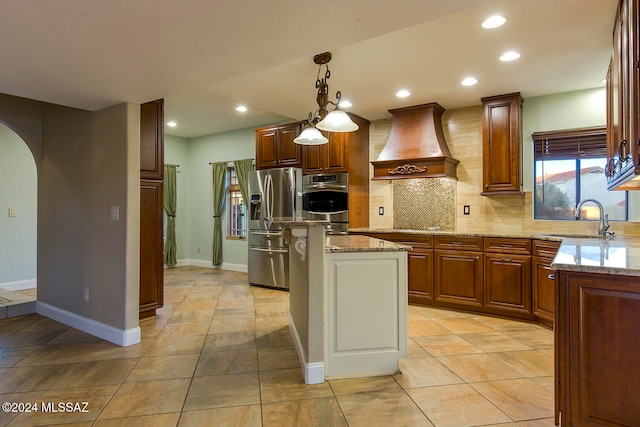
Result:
381,408
424,328
280,338
235,313
424,373
184,328
147,398
176,345
414,315
456,405
240,416
464,325
303,413
439,313
546,382
479,367
544,422
164,368
102,372
500,324
278,358
197,305
30,378
227,362
530,363
227,300
75,336
11,356
159,420
238,341
521,399
30,339
490,342
288,384
279,309
191,316
363,385
220,391
446,345
271,323
536,338
7,416
204,294
227,325
415,351
86,405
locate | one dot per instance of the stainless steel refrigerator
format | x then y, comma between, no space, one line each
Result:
274,193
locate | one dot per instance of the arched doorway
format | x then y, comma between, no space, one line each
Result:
18,225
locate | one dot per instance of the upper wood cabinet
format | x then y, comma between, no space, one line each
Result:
501,145
275,147
152,140
623,108
331,157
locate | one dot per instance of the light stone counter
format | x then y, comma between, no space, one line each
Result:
620,256
361,244
522,235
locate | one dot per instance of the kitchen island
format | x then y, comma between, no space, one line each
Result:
348,302
597,329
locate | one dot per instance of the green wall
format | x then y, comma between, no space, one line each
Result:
18,189
195,200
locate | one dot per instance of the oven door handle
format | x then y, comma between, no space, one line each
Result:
328,213
326,187
276,251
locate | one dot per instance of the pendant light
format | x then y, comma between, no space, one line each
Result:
330,121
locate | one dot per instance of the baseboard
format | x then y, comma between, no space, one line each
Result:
313,372
117,336
207,264
19,285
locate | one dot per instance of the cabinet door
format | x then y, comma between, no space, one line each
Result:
507,283
336,153
151,247
267,148
603,353
313,159
501,141
458,277
152,140
543,290
420,264
289,153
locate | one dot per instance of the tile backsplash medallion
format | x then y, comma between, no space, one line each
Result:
422,204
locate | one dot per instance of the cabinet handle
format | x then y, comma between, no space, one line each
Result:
506,245
456,243
610,168
552,277
623,151
486,186
507,259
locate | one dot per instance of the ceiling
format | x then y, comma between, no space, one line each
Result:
204,57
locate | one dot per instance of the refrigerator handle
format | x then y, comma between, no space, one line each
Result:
270,197
267,210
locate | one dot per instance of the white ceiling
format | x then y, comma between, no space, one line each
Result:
207,56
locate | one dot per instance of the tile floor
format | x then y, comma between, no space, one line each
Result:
220,353
17,303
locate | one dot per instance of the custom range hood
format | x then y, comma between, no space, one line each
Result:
416,147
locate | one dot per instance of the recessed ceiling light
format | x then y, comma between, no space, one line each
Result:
509,56
172,124
469,81
403,93
241,108
345,104
493,21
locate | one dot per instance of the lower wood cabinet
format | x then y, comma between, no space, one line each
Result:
543,284
420,266
458,277
151,247
597,350
507,284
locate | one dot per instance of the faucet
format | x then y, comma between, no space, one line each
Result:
603,226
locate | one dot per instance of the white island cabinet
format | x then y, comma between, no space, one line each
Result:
348,302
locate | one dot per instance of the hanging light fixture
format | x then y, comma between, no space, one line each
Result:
330,121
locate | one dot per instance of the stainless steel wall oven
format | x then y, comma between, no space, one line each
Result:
326,197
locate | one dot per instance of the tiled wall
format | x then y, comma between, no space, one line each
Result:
423,204
502,214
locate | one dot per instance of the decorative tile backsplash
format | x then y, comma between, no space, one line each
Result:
424,203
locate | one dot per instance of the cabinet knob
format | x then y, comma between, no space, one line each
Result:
623,151
552,277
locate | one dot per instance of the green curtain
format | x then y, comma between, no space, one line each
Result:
243,167
170,209
218,170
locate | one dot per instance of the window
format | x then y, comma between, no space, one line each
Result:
236,218
569,167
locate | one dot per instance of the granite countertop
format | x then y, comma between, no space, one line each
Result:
295,222
434,232
620,256
338,243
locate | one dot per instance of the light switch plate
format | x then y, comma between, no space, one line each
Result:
467,209
115,213
12,212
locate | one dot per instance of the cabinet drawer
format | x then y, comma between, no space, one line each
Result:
416,241
458,243
507,245
545,248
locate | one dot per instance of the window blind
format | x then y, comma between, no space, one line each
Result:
570,144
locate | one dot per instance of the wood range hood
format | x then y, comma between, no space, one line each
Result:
416,147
